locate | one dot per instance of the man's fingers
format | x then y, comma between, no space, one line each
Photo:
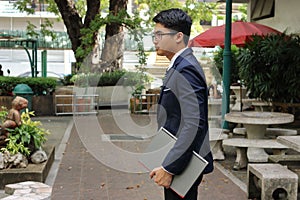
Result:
152,173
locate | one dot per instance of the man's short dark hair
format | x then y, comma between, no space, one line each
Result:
177,20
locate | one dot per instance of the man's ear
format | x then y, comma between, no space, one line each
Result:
179,37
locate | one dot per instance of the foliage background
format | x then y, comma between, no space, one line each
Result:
270,68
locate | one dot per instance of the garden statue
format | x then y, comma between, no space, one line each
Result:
23,144
13,118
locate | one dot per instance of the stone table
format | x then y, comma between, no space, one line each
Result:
256,124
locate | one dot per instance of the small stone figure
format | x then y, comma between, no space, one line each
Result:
13,118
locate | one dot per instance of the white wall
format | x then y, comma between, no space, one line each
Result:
286,17
17,61
19,22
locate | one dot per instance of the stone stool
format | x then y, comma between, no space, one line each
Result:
216,136
271,181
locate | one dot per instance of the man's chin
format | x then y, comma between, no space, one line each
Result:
159,52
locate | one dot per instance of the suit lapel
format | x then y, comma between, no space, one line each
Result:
176,63
172,70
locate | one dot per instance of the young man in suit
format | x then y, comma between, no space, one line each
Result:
182,107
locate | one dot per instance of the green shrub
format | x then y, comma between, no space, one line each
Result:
271,67
67,80
39,85
118,77
234,71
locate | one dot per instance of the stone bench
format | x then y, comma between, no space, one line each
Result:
270,133
296,170
292,161
271,181
214,121
239,131
216,136
274,132
241,145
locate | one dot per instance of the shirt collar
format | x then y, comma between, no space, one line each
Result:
174,58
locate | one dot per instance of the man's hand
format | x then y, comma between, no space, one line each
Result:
161,177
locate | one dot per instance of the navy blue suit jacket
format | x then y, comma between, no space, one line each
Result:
182,110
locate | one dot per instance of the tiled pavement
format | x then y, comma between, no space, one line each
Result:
81,176
76,174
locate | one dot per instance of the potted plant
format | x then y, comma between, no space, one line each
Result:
26,138
270,68
136,99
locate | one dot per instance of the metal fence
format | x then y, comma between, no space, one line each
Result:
61,41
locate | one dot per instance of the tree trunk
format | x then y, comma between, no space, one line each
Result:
73,21
112,53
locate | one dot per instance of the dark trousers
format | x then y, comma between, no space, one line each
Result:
191,194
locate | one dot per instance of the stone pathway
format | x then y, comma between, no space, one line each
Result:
28,190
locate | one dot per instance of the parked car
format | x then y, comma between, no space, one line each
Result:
58,76
39,74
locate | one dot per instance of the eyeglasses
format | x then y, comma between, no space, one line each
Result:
158,35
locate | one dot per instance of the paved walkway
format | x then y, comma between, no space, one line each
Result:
81,176
76,174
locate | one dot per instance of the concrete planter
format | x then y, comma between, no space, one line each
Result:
114,95
33,172
5,101
107,95
41,105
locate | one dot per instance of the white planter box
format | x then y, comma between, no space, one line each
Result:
107,95
114,95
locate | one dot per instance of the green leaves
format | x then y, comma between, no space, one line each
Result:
117,77
218,60
27,137
88,34
270,67
23,6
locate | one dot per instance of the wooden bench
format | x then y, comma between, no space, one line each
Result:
216,136
241,145
271,181
270,133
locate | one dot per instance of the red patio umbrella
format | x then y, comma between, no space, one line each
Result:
241,32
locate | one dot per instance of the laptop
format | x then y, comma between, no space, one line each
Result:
157,150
